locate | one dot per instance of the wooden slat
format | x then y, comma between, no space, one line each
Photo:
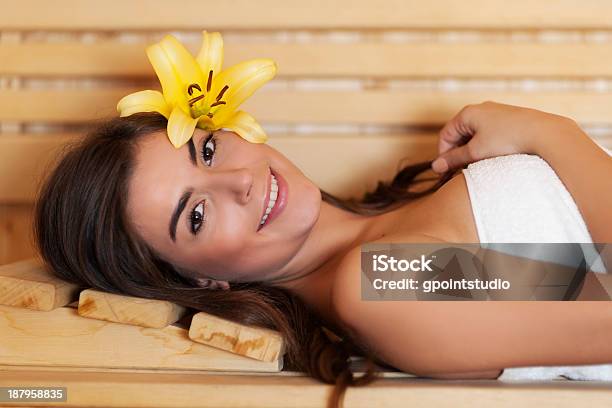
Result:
15,228
427,59
266,14
156,390
95,304
357,367
63,338
342,165
379,151
255,342
416,107
24,160
29,284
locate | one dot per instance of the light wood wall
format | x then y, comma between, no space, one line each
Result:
360,86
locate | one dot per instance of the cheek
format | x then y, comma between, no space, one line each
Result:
305,205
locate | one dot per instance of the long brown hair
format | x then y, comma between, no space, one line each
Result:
83,234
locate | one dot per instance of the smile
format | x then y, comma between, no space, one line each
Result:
275,199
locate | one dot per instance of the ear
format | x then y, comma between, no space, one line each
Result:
212,284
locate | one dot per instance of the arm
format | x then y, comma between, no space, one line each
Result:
586,171
492,129
444,339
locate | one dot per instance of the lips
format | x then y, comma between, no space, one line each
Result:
265,201
281,199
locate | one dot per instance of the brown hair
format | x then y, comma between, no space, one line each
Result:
83,234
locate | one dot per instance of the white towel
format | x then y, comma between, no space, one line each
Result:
519,198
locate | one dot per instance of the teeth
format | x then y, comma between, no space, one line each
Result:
273,197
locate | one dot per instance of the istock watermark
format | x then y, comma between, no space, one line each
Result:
515,271
383,263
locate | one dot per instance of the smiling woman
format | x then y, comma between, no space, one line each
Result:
202,207
126,212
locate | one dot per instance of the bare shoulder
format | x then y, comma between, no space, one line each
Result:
449,214
411,336
369,320
445,339
346,300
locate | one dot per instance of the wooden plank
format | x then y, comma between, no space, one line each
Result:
415,107
423,59
343,165
15,228
137,311
29,284
358,154
384,371
380,151
24,162
96,389
63,338
255,342
270,14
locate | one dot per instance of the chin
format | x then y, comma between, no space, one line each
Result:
303,203
309,207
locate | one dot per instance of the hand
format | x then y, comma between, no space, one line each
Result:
212,284
492,129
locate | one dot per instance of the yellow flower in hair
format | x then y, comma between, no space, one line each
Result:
196,92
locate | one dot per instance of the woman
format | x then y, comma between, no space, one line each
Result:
235,229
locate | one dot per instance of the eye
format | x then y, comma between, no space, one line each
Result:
197,217
208,149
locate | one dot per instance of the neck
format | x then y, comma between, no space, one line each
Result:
335,231
310,273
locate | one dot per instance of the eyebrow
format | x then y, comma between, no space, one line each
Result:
192,152
182,202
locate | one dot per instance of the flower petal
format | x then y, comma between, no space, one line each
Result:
210,57
243,79
180,127
171,85
143,101
206,123
184,64
246,127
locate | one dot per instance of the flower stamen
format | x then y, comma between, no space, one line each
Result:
190,88
218,103
209,83
225,88
194,100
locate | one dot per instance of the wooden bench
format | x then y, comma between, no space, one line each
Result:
361,85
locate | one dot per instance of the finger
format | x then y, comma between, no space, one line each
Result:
203,282
452,159
212,284
456,131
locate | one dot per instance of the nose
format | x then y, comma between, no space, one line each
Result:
237,182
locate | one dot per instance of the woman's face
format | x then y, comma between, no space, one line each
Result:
200,206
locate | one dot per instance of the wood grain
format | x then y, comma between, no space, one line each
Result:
63,338
384,107
315,14
16,240
255,342
136,311
29,284
25,160
423,59
201,389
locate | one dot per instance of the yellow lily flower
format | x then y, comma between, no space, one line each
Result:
197,93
